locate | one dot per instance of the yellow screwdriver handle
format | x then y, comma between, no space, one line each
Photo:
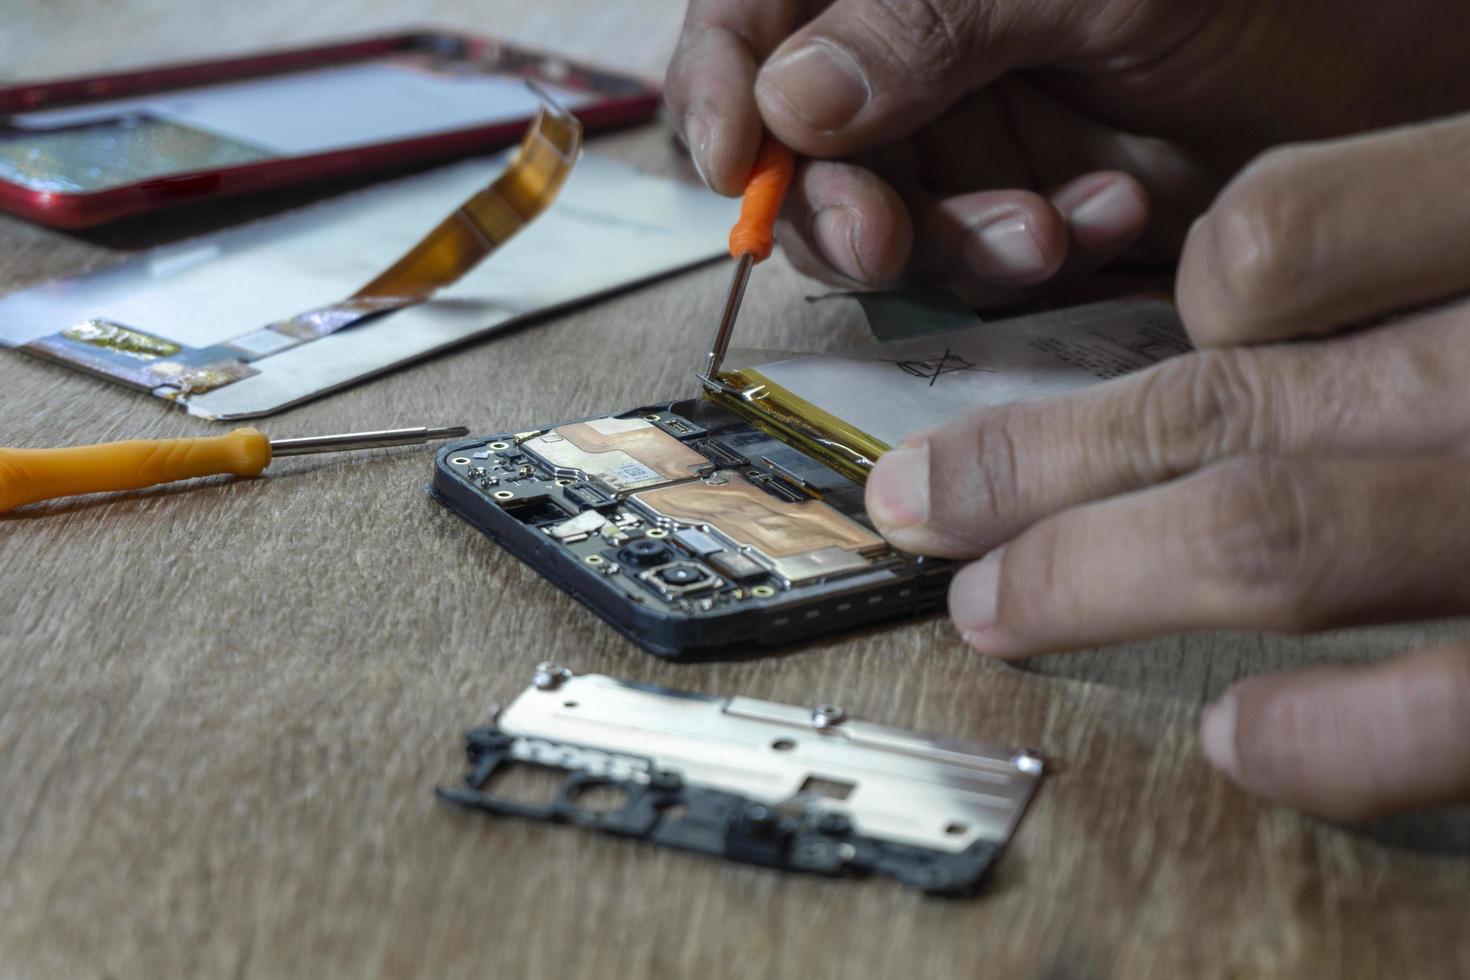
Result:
29,475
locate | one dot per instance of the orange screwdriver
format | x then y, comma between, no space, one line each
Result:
751,239
29,475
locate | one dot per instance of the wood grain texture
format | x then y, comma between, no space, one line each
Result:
223,708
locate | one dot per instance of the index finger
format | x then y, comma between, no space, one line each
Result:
1257,543
710,87
968,486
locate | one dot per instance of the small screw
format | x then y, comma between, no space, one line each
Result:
549,676
827,715
932,877
834,823
1028,761
761,817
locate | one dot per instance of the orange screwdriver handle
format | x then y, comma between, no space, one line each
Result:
755,232
29,475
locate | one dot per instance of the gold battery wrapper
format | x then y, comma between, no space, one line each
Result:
798,422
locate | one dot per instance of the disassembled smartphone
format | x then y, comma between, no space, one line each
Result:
688,528
801,789
737,521
79,151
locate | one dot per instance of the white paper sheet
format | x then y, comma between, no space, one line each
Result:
894,389
611,227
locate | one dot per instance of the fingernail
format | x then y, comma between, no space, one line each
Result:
1113,206
1006,250
898,487
1217,735
835,230
820,82
696,135
973,598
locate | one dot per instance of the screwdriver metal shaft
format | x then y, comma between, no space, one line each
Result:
751,241
29,475
727,319
363,440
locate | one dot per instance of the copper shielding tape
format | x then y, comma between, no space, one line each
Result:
648,444
748,514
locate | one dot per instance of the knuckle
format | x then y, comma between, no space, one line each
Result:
996,459
1137,29
1457,685
1200,408
1262,534
930,38
804,259
676,87
689,76
1260,255
675,103
1425,367
1458,691
1038,564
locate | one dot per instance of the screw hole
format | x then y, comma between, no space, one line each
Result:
956,829
569,704
783,745
673,811
460,461
598,797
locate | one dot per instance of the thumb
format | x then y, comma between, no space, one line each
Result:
1349,743
868,72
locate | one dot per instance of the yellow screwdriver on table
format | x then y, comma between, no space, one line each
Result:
751,241
29,475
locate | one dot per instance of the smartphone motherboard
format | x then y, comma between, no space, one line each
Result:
688,529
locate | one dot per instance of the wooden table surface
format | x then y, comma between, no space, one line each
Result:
223,708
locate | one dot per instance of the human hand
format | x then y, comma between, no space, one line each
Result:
993,147
1257,483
